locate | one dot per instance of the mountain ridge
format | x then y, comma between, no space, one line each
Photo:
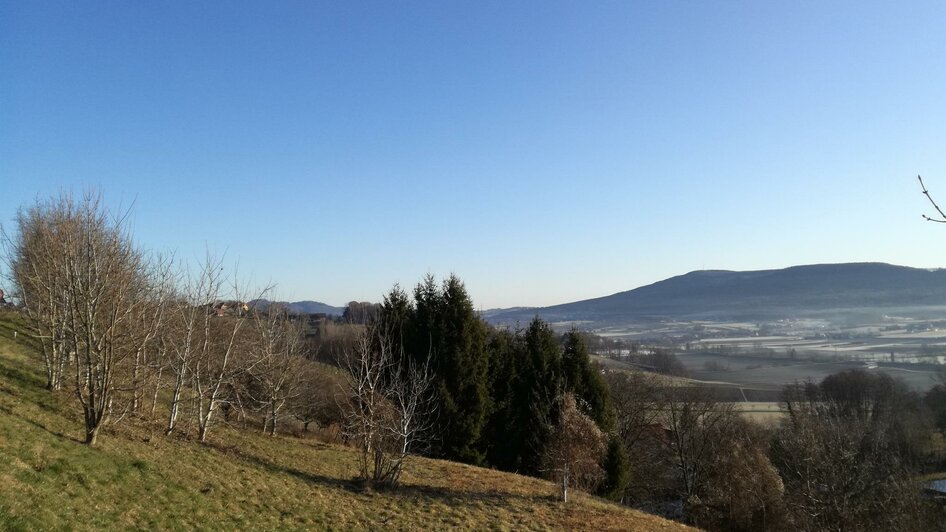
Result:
802,290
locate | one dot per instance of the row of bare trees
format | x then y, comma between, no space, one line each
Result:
128,325
118,325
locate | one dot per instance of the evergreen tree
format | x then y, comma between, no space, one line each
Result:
583,378
395,317
502,438
538,385
441,324
461,366
617,470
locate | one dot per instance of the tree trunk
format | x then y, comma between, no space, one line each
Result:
565,484
136,383
157,387
91,435
175,403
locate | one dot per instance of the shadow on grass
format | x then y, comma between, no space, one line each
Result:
8,411
234,451
21,375
461,497
449,496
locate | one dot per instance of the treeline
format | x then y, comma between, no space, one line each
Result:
497,392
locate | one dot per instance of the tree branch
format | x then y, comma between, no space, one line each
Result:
942,215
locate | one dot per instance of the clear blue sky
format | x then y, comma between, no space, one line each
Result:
545,152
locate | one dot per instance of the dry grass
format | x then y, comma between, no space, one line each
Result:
137,478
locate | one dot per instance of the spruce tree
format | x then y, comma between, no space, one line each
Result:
583,378
617,470
462,366
441,324
538,386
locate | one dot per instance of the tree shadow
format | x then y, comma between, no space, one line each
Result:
461,497
8,411
311,478
453,497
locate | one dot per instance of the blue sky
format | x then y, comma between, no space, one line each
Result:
544,152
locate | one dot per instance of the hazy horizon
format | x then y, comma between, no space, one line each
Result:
276,296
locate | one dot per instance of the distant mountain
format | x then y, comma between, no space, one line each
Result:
798,291
303,307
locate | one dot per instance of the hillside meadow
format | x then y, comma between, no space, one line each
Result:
137,477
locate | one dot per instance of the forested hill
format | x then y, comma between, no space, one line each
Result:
304,307
797,291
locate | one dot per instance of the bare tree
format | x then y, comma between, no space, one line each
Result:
694,418
277,355
85,286
575,449
638,400
151,319
106,281
191,328
319,398
389,410
842,455
207,342
96,300
214,373
34,259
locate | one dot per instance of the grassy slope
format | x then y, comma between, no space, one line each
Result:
138,478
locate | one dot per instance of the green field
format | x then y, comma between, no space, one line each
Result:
136,477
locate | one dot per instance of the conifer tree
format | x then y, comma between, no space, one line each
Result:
617,470
538,385
461,368
583,378
441,324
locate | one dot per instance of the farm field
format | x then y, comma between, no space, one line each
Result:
764,373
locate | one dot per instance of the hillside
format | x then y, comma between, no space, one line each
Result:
798,291
137,478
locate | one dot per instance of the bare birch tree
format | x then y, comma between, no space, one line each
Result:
277,355
206,347
190,324
390,408
33,255
151,319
